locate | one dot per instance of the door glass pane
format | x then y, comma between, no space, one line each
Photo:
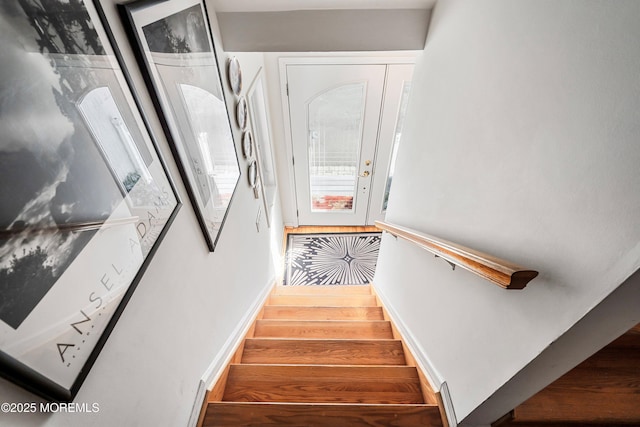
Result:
335,133
396,140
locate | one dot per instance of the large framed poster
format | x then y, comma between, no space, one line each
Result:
176,53
85,198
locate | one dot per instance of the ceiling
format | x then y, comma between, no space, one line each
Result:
289,5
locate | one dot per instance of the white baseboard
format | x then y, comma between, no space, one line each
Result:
435,379
227,351
448,405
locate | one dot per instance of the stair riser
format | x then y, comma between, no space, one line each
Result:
323,290
324,300
224,414
322,313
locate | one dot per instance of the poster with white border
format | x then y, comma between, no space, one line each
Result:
85,198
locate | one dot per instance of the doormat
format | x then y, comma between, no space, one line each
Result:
331,259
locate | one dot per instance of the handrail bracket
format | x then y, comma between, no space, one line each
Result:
453,266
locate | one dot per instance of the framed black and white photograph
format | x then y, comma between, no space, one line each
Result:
176,53
85,198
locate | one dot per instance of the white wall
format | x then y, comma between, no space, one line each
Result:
521,140
325,30
284,5
186,306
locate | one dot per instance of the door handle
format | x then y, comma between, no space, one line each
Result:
365,174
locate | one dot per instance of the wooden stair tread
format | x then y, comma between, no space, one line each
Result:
323,352
322,356
232,414
362,329
323,384
324,300
288,312
323,290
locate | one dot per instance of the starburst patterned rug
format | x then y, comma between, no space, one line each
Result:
331,259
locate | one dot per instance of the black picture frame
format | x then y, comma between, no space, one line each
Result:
78,231
175,50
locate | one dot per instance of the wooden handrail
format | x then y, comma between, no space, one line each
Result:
503,273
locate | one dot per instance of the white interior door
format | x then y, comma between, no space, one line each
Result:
334,114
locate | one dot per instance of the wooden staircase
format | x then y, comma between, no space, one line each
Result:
322,356
604,390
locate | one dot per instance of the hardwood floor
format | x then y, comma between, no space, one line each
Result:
604,390
308,229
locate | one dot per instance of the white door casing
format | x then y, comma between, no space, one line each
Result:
397,86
